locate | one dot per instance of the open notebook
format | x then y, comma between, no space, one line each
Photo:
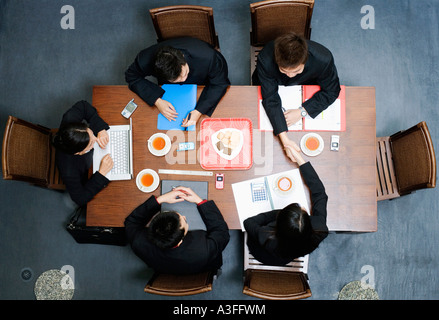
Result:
259,195
331,119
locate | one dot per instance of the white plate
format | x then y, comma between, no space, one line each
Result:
166,148
154,185
235,151
282,192
308,152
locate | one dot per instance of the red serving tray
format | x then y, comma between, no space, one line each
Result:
210,159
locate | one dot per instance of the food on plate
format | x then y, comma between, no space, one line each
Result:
228,140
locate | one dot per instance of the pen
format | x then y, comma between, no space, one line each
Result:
188,118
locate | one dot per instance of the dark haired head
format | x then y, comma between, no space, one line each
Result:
165,230
292,225
168,63
72,138
290,50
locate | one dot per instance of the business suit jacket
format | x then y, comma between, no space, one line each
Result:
319,70
206,67
260,228
200,250
73,169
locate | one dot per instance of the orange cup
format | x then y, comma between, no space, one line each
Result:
147,180
312,143
284,184
158,143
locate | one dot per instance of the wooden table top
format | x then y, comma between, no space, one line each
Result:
349,175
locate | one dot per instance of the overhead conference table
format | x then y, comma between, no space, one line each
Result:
349,175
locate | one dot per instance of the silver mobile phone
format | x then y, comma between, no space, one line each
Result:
129,109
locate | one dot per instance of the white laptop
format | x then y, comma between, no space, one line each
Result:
120,147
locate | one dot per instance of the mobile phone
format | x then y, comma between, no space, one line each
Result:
335,142
129,109
219,181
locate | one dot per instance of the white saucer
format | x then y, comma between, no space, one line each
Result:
165,150
311,153
154,185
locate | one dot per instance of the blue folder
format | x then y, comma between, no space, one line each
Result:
184,98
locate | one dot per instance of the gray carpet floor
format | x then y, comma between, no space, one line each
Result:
44,69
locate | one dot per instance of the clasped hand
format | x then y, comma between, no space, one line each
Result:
179,194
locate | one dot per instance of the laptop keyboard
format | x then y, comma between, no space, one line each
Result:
120,151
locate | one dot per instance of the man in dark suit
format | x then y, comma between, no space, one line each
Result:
184,61
292,60
163,240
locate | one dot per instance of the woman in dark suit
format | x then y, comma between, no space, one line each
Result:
277,237
80,128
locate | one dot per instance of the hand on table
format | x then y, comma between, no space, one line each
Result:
292,116
102,139
191,119
166,109
188,194
173,196
106,165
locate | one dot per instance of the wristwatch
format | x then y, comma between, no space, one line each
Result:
303,112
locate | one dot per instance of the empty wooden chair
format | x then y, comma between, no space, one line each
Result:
28,155
406,162
180,285
185,21
273,18
289,282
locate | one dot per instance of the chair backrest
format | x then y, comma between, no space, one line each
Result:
276,285
414,158
27,154
287,282
185,21
180,285
273,18
386,184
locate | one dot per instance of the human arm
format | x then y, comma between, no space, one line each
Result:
139,217
73,170
268,76
253,225
143,66
216,228
82,110
216,84
329,84
319,198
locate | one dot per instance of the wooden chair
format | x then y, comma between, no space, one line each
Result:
28,155
273,18
185,21
180,285
288,282
406,162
